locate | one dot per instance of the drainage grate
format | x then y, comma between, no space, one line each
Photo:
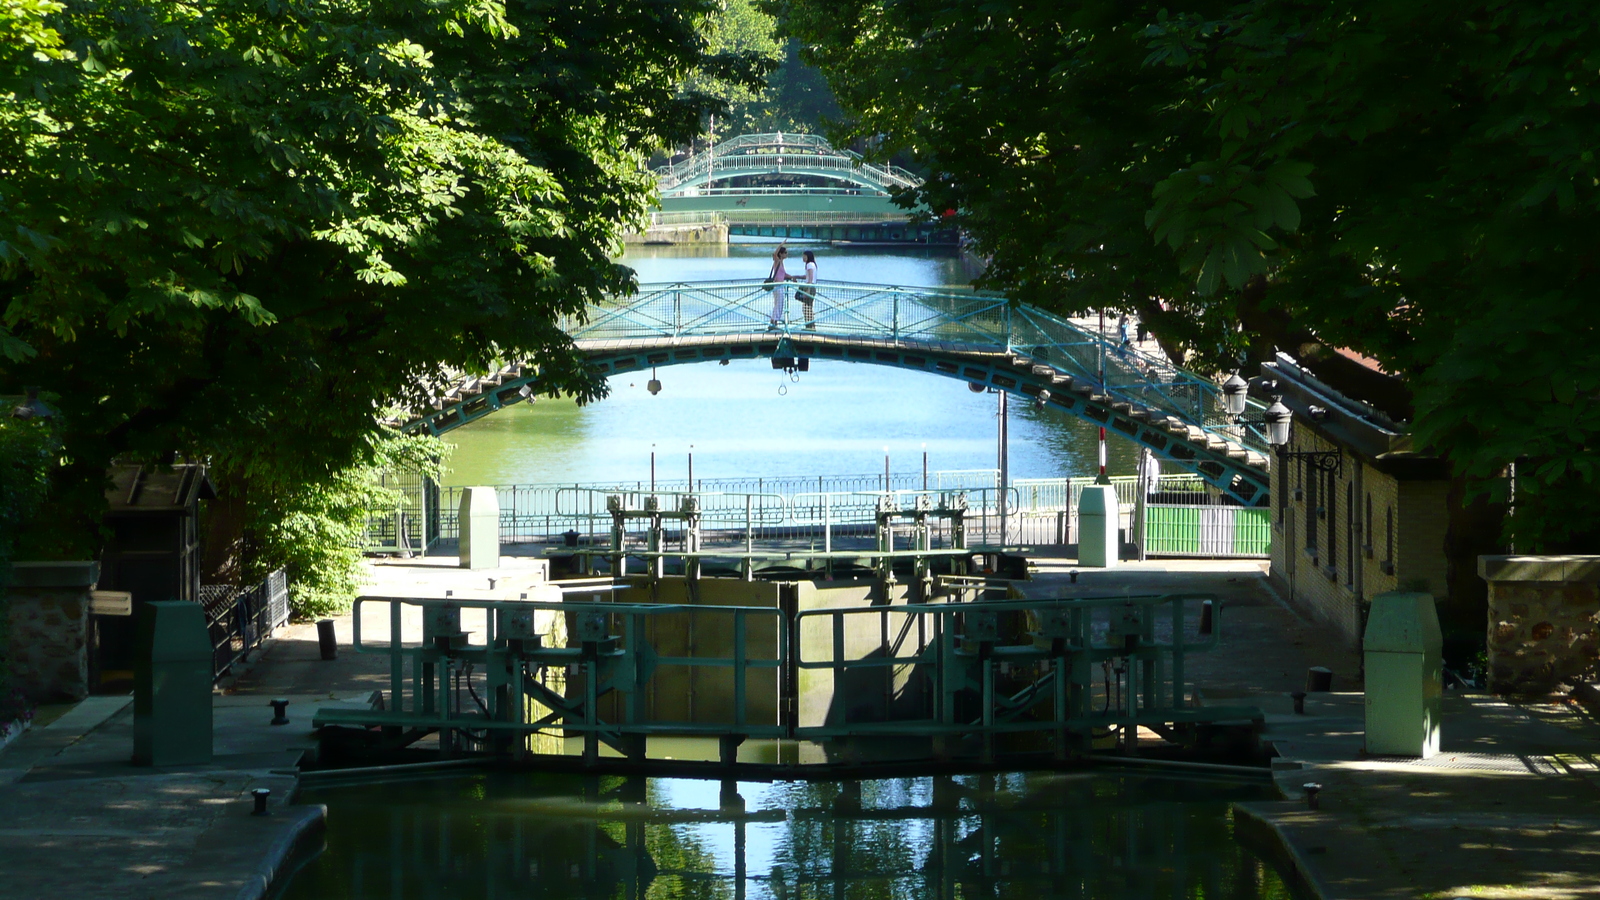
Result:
1509,763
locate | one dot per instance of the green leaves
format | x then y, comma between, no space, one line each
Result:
1413,181
1216,217
236,230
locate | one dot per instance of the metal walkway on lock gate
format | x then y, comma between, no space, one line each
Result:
975,680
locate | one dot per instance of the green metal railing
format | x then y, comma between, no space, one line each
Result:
955,320
965,648
943,670
780,153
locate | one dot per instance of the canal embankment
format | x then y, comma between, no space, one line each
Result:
1504,811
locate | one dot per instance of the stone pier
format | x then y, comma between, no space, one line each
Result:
1543,615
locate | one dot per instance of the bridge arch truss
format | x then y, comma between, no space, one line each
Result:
977,338
780,154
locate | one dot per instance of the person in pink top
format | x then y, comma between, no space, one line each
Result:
779,279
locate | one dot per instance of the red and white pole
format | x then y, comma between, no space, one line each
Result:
1103,478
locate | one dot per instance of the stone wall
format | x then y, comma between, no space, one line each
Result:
680,234
48,607
1543,615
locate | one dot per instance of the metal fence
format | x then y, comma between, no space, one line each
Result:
412,524
1181,515
240,619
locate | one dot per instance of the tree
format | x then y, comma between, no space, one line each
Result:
741,28
235,230
1412,181
794,97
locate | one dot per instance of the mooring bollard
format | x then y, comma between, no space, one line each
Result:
1299,702
1073,575
326,642
1312,790
260,795
280,711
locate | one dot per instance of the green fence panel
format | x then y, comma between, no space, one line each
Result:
1172,529
1252,531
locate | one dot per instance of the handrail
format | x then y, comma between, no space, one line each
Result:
975,321
800,149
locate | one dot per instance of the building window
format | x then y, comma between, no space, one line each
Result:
1349,533
1311,511
1333,527
1388,535
1368,533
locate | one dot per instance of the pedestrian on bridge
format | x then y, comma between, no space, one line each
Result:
808,291
778,279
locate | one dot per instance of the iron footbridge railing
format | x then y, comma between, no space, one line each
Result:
780,153
979,338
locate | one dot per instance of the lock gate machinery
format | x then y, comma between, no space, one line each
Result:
592,683
908,514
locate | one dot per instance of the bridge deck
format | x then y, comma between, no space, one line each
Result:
978,338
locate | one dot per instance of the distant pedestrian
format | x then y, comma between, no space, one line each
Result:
1150,474
807,293
778,281
1122,335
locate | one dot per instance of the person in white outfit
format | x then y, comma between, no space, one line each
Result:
1150,473
807,293
779,278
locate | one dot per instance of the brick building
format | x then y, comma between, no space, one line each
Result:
1357,511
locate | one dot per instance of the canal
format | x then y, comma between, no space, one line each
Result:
1019,834
1086,834
746,419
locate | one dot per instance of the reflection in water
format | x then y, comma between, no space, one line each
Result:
1017,834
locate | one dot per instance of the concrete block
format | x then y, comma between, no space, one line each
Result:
1404,675
1098,515
480,528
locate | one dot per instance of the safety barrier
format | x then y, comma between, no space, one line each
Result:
239,620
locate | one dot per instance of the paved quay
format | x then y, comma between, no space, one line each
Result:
1508,810
80,820
1510,807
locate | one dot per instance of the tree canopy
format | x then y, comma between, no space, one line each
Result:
1414,181
237,230
793,97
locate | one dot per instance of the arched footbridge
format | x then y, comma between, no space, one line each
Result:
978,338
802,155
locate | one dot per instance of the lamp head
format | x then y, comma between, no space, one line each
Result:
1234,392
1277,419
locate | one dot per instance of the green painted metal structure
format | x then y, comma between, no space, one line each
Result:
1211,531
983,339
963,674
779,154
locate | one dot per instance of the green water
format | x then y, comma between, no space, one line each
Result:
1021,834
835,420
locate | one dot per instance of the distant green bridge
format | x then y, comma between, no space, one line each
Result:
815,226
798,155
982,339
794,187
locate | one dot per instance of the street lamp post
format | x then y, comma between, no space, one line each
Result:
1277,421
1004,466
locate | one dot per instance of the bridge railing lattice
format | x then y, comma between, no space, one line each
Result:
953,320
